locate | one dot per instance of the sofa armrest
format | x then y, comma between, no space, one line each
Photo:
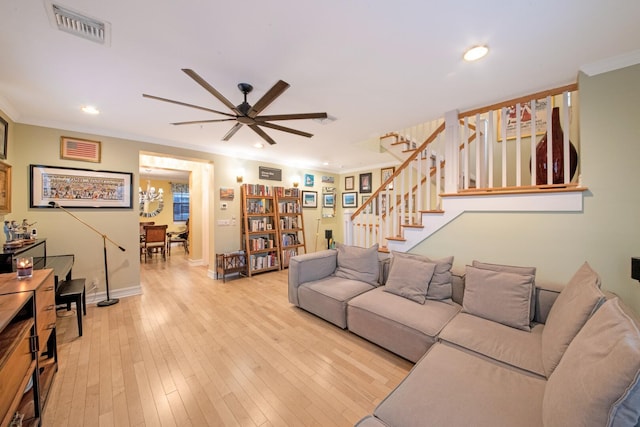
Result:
309,267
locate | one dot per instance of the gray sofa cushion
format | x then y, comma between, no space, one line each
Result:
449,387
358,263
409,278
398,324
516,269
575,304
499,296
597,381
496,341
327,298
440,284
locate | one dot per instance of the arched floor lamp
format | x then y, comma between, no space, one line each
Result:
109,301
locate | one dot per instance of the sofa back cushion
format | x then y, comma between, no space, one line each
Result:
409,278
440,284
597,381
358,263
516,269
499,296
576,303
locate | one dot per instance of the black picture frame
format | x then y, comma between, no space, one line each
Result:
350,199
309,199
79,188
4,138
365,182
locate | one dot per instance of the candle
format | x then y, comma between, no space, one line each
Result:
24,267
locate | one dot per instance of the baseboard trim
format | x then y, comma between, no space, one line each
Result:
94,298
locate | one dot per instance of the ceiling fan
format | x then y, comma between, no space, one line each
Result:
246,114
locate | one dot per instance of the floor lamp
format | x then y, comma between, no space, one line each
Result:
109,301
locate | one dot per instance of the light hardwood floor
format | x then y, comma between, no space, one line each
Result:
192,351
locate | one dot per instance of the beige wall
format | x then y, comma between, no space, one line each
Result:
39,145
606,234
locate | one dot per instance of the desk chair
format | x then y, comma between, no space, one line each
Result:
155,239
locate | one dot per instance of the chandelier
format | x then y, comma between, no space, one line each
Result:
148,196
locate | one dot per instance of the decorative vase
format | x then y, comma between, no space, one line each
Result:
557,148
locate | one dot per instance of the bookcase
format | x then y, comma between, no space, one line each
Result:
259,229
290,223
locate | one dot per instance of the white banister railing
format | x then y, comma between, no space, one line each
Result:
489,149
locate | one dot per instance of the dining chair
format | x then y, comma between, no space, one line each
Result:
142,225
179,237
155,239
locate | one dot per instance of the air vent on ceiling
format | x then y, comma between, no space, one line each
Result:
76,23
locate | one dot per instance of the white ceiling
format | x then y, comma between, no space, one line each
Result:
376,66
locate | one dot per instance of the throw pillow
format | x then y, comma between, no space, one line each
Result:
597,382
440,285
358,263
512,269
498,296
576,303
409,278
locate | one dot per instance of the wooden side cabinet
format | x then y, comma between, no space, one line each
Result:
28,348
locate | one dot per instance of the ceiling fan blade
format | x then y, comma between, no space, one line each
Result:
291,117
210,89
186,105
275,91
201,121
232,131
262,133
285,129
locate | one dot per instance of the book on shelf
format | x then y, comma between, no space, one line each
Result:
259,262
286,192
257,190
290,239
287,254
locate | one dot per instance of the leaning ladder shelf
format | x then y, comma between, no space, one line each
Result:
259,229
290,224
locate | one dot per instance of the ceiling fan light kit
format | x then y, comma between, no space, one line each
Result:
245,113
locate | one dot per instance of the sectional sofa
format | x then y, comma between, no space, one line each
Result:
492,346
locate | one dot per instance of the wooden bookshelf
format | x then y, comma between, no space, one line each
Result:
259,229
290,223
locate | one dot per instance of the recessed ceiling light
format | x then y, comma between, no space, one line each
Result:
326,163
475,53
90,109
258,145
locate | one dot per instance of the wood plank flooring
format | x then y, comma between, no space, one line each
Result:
192,351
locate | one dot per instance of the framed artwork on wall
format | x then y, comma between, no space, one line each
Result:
385,174
309,199
511,119
328,200
79,188
308,180
365,182
79,149
4,137
5,188
350,199
349,183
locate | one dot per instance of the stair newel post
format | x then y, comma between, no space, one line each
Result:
419,188
519,144
348,227
489,141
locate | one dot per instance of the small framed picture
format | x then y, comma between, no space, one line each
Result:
328,200
4,137
349,183
309,199
385,174
350,199
308,180
365,182
79,149
368,209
